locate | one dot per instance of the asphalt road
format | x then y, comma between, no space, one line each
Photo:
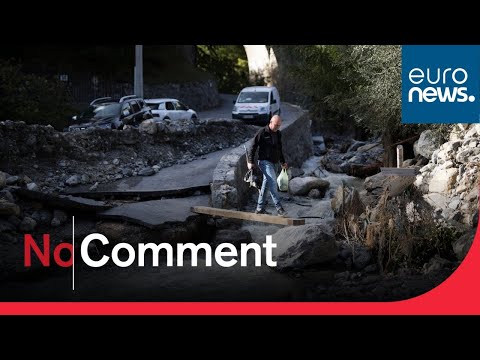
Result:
224,111
289,112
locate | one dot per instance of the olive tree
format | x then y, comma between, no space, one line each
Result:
373,73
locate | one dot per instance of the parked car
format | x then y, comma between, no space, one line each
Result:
108,113
170,109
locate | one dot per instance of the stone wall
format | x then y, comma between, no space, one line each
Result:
229,191
197,95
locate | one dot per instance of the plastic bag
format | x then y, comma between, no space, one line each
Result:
282,180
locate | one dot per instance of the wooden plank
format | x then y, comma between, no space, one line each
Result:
391,171
272,219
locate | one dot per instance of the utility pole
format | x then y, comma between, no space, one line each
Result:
138,71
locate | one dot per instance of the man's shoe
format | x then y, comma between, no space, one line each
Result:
262,211
281,212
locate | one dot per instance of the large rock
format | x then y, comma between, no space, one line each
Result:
462,245
348,197
305,245
148,126
426,144
443,180
7,208
396,185
302,186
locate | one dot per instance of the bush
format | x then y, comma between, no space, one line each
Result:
401,232
33,99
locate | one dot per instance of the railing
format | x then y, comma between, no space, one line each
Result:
87,90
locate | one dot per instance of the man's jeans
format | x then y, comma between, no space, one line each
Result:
269,184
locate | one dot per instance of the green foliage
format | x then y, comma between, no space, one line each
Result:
30,98
373,72
228,63
313,70
345,83
371,90
169,64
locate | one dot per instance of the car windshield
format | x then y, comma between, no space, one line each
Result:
100,111
253,97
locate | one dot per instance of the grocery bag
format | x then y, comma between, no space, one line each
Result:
282,180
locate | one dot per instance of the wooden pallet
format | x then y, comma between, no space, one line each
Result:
272,219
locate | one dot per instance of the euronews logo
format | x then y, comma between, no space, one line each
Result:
438,89
440,83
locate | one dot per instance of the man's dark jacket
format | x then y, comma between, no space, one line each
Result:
269,146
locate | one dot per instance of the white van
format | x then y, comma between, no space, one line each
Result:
257,104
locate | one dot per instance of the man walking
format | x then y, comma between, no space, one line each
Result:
268,141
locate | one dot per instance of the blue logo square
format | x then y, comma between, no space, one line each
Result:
440,84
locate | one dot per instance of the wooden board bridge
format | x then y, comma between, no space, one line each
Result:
272,219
